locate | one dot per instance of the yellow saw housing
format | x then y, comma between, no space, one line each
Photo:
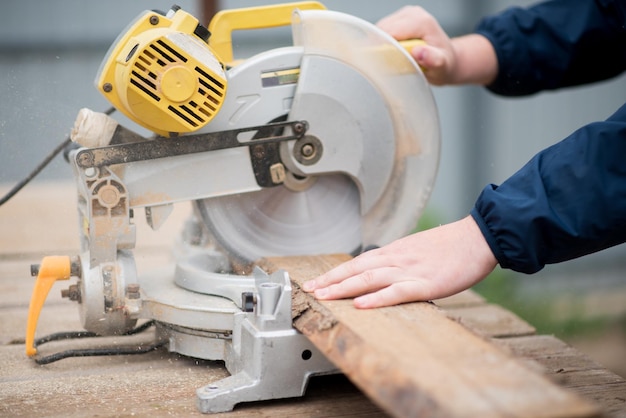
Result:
162,74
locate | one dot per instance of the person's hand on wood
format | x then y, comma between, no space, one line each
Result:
424,266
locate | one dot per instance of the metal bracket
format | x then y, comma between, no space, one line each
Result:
267,357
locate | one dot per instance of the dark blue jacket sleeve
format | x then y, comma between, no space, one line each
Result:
568,201
556,44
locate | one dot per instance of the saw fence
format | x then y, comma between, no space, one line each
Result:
458,357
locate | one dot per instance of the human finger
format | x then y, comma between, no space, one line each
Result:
432,61
368,281
409,22
357,265
429,57
397,24
399,292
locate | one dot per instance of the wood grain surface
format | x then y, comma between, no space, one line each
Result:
414,360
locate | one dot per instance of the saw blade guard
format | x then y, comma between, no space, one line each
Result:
393,193
369,105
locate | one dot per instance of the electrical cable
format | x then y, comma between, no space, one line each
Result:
64,336
20,185
90,352
72,335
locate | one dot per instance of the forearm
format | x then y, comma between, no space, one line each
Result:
476,61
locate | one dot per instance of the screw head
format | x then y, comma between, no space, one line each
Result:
72,293
259,151
298,128
308,150
85,158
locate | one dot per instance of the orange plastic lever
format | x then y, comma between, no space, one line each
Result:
52,268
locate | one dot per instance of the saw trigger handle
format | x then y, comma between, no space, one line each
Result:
409,44
263,17
50,270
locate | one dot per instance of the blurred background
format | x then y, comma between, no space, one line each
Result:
50,53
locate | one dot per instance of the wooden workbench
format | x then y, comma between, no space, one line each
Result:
41,221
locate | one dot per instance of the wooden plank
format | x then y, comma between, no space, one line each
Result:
611,396
43,219
555,355
158,384
30,220
563,363
463,299
572,369
491,320
413,360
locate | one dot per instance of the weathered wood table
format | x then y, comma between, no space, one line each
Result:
41,221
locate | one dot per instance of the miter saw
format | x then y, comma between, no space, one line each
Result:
330,145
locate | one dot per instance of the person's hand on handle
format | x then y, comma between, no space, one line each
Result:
469,59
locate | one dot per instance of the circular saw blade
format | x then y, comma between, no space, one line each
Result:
279,221
380,191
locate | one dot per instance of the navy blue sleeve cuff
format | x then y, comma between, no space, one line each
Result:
489,237
567,201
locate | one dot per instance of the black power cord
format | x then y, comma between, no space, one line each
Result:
19,186
90,352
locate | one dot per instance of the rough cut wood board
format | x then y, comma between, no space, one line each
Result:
413,360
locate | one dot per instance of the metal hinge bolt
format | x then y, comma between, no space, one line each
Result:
73,293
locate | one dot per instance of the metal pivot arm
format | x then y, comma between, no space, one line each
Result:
189,144
50,270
